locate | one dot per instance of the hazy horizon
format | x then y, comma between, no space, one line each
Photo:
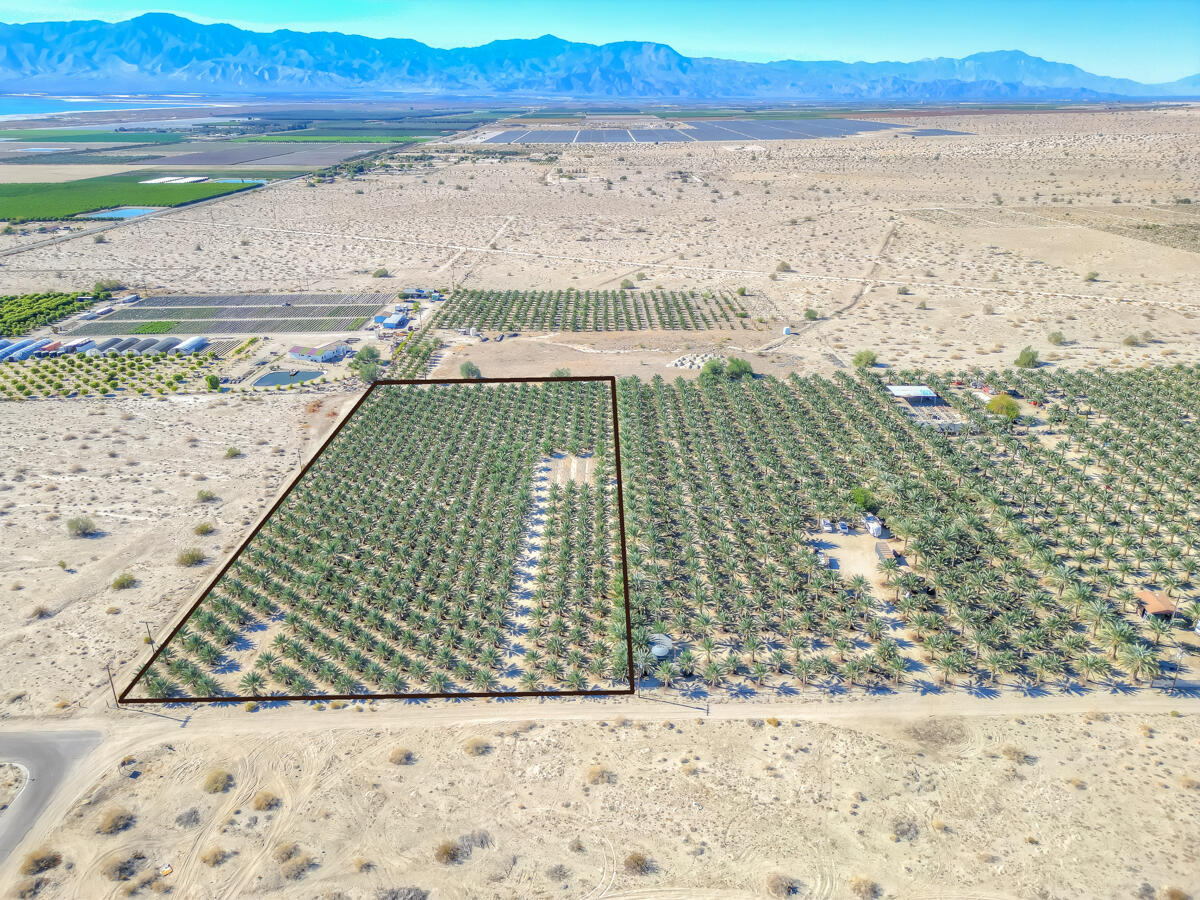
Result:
1151,43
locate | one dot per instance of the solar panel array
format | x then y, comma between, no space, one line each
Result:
696,130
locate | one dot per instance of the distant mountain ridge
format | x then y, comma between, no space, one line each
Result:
163,53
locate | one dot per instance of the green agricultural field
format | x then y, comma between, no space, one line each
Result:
21,313
44,202
87,135
340,137
154,328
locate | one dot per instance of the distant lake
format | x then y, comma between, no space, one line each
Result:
36,106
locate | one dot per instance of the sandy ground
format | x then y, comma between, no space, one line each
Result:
12,779
32,173
134,467
1080,804
919,796
991,235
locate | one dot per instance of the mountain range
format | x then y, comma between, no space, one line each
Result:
162,54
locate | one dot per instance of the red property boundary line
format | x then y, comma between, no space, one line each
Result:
604,692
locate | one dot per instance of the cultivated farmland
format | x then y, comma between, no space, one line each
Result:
1020,553
20,314
240,314
45,202
571,310
451,538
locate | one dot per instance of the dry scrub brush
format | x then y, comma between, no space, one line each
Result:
218,781
39,861
115,820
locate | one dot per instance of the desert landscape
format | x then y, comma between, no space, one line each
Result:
1073,233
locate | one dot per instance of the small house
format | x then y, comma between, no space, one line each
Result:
1154,603
330,352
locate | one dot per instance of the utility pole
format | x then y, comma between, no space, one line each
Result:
149,637
112,685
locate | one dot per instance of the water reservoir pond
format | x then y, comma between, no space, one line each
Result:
273,379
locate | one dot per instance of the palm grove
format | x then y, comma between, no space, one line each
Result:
1021,550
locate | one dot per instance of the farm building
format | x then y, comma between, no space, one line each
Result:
46,349
141,346
914,393
1154,603
394,321
120,348
163,346
103,347
78,345
29,349
413,292
330,352
14,347
191,345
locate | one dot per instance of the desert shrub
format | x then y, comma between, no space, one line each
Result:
218,781
1132,340
193,556
737,368
637,863
1057,338
124,868
402,756
469,370
558,872
783,267
781,885
477,746
381,272
904,290
80,526
205,496
811,315
1027,359
626,285
447,852
294,868
39,861
576,845
285,851
402,893
123,581
863,887
864,359
1092,276
115,820
599,775
214,856
1015,753
29,888
189,818
204,529
265,800
1004,406
232,452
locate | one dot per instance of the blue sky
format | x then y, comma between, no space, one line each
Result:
1148,40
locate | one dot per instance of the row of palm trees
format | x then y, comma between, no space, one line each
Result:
392,562
588,310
